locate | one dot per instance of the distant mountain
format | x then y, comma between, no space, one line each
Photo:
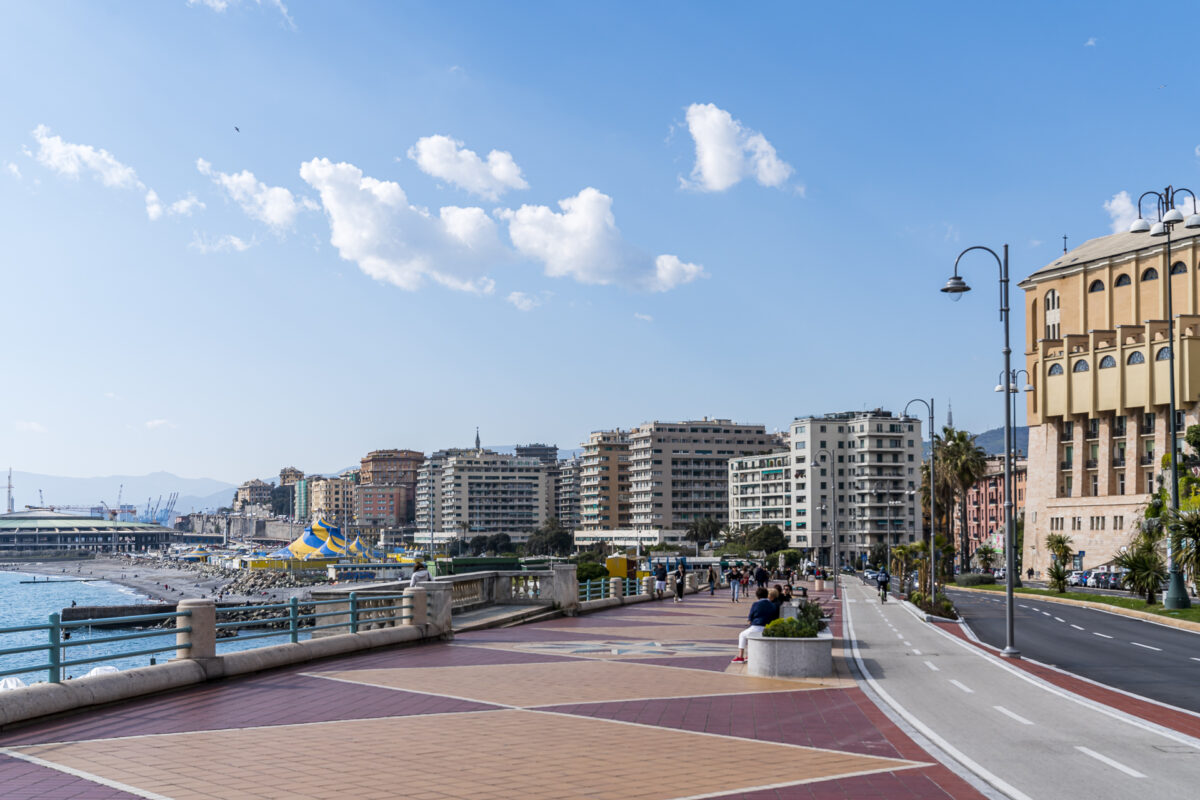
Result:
992,441
194,493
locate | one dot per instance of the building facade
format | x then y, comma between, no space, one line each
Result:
480,492
566,493
546,453
289,475
678,471
332,499
1098,355
760,493
391,467
985,505
252,493
604,481
381,506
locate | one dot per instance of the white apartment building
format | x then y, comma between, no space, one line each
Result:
466,493
678,471
566,493
641,539
760,493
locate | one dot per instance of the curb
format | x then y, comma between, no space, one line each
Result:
1170,622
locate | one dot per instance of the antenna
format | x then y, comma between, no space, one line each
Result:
1064,243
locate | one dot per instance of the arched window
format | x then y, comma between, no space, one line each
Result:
1107,362
1163,353
1056,369
1097,286
1080,366
1150,274
1051,300
1122,280
1178,268
1136,357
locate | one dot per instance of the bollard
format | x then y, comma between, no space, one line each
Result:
616,587
55,649
294,620
354,612
202,637
418,606
648,585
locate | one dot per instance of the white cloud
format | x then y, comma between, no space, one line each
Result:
273,205
1091,42
186,205
13,169
1122,211
155,424
447,159
221,244
644,317
25,426
372,224
1035,242
523,302
71,160
727,152
154,208
221,5
215,5
583,242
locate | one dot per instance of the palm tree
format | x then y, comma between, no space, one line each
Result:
1059,545
966,463
985,556
1146,569
902,561
1056,577
1185,540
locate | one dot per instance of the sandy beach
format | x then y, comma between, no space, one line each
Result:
155,579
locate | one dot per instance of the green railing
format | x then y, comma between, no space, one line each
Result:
363,613
595,589
57,644
632,587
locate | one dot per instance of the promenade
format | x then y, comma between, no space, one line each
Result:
639,701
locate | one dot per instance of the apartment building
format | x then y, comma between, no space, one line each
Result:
381,506
866,467
678,471
391,467
985,505
546,453
604,481
480,492
252,493
289,475
332,499
760,493
1098,353
566,493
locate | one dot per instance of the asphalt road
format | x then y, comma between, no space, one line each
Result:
1024,738
1144,658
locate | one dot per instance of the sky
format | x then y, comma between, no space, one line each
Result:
243,234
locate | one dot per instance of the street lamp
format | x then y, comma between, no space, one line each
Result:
837,569
1168,217
956,287
1012,390
932,500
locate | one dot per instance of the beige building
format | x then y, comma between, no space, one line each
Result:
391,467
1097,352
678,471
604,481
467,493
332,499
288,476
252,493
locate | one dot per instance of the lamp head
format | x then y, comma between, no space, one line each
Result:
1158,229
1027,388
956,287
1193,221
1173,216
999,388
1139,226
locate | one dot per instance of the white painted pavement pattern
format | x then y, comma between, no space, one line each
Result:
1026,739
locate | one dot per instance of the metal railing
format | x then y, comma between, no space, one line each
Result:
57,642
595,589
631,587
364,613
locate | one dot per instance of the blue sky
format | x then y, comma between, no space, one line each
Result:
538,218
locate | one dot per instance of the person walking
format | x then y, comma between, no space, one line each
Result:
660,579
712,580
735,584
762,612
761,576
680,583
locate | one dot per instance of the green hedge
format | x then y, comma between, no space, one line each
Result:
790,628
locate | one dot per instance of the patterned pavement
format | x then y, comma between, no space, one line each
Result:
632,702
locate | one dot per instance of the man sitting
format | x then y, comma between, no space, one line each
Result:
762,612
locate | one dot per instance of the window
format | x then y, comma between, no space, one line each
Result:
1052,314
1163,353
1136,357
1122,280
1107,362
1178,268
1097,286
1080,366
1056,369
1051,300
1150,274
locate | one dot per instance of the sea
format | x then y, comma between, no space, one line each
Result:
23,604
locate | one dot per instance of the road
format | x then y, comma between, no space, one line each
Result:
1022,736
1141,657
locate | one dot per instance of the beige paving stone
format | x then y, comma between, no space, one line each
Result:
561,683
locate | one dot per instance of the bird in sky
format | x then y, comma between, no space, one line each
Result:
236,128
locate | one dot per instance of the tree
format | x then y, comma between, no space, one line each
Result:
1184,528
1146,569
499,543
1192,437
902,562
1059,545
478,545
792,558
281,501
966,463
767,538
550,539
878,555
702,531
985,557
1056,576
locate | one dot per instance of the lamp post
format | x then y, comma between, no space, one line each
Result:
932,500
956,287
837,569
1012,390
1168,217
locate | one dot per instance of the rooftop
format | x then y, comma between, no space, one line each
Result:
1104,247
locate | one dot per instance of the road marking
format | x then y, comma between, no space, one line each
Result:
1022,605
908,644
1133,773
962,686
1060,619
932,666
1046,613
1076,627
1032,609
1148,647
900,636
1105,635
917,652
1011,715
1195,659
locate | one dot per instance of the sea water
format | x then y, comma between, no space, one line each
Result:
24,604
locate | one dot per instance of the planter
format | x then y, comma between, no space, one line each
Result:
818,585
770,657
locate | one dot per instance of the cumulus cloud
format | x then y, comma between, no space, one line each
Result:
727,151
1122,211
13,169
26,426
447,159
155,424
644,317
583,242
154,208
523,301
220,244
274,206
72,160
186,205
372,223
1091,42
221,5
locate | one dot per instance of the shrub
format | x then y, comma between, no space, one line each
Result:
974,579
1056,576
917,598
589,571
790,628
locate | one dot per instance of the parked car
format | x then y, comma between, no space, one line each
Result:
1077,578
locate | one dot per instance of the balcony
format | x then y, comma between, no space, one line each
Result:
1146,460
1066,465
1119,461
1090,463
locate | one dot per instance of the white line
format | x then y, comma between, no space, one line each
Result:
1032,608
1047,614
1133,773
1105,635
1022,605
908,644
1060,619
917,652
1011,715
963,686
1148,647
932,666
1195,659
1078,628
78,773
900,636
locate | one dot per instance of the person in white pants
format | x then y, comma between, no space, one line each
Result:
762,612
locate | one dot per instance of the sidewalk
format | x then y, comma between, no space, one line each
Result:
639,701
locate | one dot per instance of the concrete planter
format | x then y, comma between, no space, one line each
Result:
790,658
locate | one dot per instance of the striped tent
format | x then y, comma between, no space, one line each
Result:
360,549
334,546
312,540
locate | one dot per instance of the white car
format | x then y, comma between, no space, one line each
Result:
1075,578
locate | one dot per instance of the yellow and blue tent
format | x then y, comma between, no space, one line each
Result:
360,549
334,545
313,539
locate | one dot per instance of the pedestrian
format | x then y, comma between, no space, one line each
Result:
762,612
761,576
419,575
883,579
712,580
735,584
660,579
679,583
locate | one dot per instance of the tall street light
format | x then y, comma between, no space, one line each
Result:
932,501
837,568
956,287
1168,217
1013,392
